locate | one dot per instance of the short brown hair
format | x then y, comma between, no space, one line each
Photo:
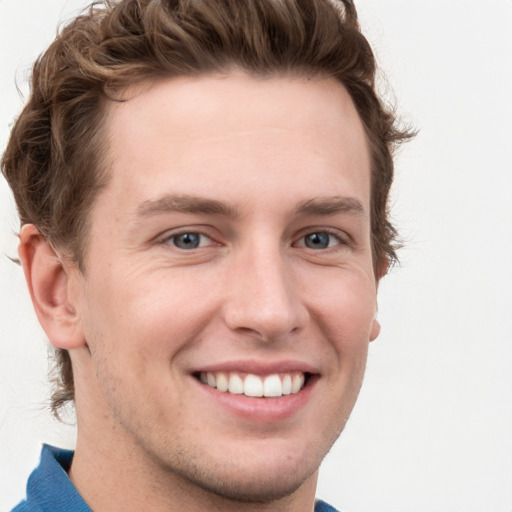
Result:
55,158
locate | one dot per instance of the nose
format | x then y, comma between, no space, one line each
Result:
265,298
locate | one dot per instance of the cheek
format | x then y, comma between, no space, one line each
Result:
173,307
147,319
345,310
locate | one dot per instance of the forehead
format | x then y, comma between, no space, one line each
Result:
238,135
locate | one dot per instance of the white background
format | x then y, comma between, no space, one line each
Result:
432,430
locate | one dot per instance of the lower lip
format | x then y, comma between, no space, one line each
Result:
262,409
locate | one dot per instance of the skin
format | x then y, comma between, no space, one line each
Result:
278,159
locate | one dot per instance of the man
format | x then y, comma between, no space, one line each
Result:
202,188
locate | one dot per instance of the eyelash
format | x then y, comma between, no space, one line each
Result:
170,239
339,241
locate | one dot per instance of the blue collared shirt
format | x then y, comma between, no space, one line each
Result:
49,488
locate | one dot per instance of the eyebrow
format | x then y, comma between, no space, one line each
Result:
331,206
199,205
185,204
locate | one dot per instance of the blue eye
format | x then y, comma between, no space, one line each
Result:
320,240
187,240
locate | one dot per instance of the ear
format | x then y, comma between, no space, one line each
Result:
47,280
381,270
375,331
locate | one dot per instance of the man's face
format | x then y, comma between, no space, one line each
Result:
231,248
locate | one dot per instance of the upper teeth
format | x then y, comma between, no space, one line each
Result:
253,385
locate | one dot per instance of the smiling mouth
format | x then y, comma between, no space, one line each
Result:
251,385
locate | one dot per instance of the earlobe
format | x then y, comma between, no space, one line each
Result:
47,280
375,329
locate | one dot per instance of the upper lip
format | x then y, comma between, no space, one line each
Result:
259,367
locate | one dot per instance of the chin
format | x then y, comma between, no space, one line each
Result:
256,485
